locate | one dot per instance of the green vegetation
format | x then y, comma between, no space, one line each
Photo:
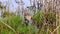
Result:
15,23
44,15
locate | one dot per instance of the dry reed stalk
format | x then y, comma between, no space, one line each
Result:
10,27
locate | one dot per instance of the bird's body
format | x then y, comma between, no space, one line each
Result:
28,20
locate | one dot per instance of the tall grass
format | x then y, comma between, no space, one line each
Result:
14,24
